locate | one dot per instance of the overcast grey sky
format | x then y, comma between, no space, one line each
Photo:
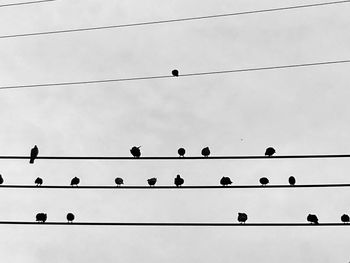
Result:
298,111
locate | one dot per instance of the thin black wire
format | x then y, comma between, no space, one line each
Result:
174,20
169,224
26,3
312,156
173,187
168,76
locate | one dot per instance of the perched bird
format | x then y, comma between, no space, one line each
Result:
206,152
135,151
312,219
70,217
1,179
269,151
33,154
264,181
345,218
152,181
225,181
119,181
242,217
41,217
178,181
38,181
291,180
75,181
181,152
175,73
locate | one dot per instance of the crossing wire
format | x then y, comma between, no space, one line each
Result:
26,3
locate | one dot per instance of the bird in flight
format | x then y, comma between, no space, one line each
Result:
175,73
135,151
206,152
178,181
270,151
38,181
34,154
242,217
181,152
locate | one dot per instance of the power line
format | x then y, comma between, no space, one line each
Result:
242,157
174,20
169,76
174,187
171,224
25,3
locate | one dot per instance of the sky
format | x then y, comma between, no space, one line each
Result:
297,111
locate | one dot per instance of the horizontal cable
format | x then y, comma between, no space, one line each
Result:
173,20
311,156
26,3
169,76
114,187
168,224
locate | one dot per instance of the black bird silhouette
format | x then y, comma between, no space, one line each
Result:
264,181
345,218
225,181
38,181
269,151
70,217
41,217
312,219
181,152
152,181
291,180
135,151
206,152
175,73
33,154
119,181
1,179
75,181
242,217
178,181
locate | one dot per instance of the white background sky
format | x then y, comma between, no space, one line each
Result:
298,111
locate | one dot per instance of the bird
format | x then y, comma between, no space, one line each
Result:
181,152
242,217
264,181
206,152
225,181
152,181
1,179
269,151
175,73
41,217
70,217
178,181
312,219
75,181
345,218
38,181
135,151
33,154
291,180
119,181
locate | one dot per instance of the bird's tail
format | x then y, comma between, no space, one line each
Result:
31,160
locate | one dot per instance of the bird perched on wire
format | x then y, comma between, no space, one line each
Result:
269,151
70,217
291,180
135,151
225,181
119,181
242,217
1,179
178,181
38,181
345,218
41,217
175,73
75,181
264,181
206,152
34,154
152,181
181,152
312,219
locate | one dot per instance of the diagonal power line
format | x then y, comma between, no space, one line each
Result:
181,75
174,20
26,3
